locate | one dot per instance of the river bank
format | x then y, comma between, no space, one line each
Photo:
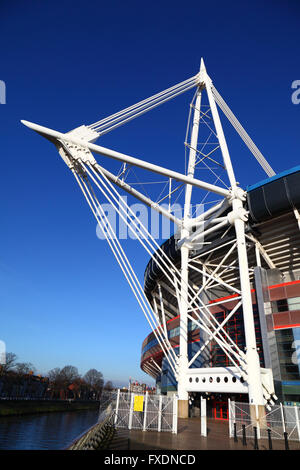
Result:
44,431
26,407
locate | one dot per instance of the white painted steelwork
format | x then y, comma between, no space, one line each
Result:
231,272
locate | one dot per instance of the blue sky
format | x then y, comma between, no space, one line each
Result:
63,299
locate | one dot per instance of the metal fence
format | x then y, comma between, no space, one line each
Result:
153,413
281,421
97,437
107,404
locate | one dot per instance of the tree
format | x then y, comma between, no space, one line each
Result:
10,363
94,379
108,386
69,374
54,375
23,368
61,379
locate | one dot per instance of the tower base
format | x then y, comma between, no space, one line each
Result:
183,408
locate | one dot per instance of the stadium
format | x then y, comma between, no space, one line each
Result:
273,246
222,295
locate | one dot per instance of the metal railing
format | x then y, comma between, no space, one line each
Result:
280,422
97,437
37,398
117,411
157,412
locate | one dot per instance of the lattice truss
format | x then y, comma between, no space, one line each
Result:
208,270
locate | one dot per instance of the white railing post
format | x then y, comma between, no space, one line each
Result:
257,422
233,410
282,417
131,411
175,405
159,413
297,421
145,412
203,417
230,418
117,407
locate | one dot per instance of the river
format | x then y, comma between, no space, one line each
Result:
46,431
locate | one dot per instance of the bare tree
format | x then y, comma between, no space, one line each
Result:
23,368
94,379
108,386
69,374
54,375
56,382
62,379
10,363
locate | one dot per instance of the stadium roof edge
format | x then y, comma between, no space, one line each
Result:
273,178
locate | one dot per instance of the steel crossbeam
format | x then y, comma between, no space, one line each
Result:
76,147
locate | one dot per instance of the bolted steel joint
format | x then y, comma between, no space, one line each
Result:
237,193
238,213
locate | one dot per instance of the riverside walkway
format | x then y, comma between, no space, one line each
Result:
189,438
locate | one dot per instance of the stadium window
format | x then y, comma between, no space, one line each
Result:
192,326
280,305
294,303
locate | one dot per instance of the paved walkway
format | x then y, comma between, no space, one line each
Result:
189,438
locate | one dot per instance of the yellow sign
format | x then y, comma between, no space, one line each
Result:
138,403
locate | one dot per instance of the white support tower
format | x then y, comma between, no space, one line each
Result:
229,213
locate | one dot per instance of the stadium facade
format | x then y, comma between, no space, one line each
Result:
221,295
273,245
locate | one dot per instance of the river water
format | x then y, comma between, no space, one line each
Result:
47,431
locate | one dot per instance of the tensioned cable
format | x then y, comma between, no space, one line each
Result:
211,275
243,134
204,143
172,192
217,176
112,239
224,349
208,193
226,319
224,346
140,103
157,254
125,261
172,267
207,282
162,191
126,267
114,121
188,131
143,102
105,129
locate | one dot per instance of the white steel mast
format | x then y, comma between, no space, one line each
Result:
239,216
183,359
75,148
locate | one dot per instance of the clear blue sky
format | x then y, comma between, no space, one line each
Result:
63,299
